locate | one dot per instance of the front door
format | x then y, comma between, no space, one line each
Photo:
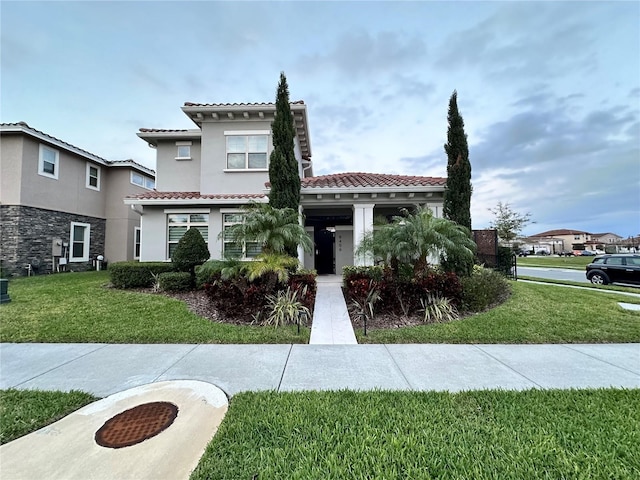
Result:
324,241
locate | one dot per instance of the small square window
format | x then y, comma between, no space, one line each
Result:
48,162
184,151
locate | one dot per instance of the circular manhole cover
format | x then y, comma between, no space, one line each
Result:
136,424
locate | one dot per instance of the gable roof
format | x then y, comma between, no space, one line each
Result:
564,231
23,127
370,180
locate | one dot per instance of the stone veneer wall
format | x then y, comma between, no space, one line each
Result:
27,233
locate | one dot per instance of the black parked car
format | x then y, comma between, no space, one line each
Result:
614,268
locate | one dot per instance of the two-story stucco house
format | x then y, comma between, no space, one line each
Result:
61,206
206,174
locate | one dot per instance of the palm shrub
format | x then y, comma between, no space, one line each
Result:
438,309
277,230
191,251
412,238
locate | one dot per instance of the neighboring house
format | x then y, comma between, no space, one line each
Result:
562,239
61,206
205,175
605,238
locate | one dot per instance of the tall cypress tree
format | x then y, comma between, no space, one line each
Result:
457,197
283,167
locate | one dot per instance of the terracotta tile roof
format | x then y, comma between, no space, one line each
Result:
162,130
154,195
266,104
563,231
358,179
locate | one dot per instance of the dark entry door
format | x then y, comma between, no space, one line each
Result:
324,240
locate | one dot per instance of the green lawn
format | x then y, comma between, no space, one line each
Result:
577,263
611,288
471,435
326,435
24,411
534,314
76,307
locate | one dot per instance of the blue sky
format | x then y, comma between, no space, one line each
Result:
549,91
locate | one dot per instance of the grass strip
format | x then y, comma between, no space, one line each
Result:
25,411
575,263
611,288
534,314
427,435
77,307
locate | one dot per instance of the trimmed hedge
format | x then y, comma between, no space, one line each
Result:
136,274
175,281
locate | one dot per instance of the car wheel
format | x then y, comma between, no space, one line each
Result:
599,278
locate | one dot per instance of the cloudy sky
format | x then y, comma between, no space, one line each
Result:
549,91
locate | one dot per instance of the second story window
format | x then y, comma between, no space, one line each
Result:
142,181
93,177
183,151
247,152
48,162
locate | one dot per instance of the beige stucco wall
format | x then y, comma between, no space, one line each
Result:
121,218
10,169
67,193
177,175
213,178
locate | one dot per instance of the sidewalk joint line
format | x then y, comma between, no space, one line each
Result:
599,359
62,364
176,362
398,367
286,363
508,366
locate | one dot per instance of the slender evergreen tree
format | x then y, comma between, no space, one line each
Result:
457,197
283,167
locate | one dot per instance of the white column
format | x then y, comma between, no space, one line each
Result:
300,249
362,223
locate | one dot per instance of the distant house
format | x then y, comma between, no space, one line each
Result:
567,239
62,206
205,175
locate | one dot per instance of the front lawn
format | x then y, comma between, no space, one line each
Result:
575,263
533,314
77,307
469,435
24,411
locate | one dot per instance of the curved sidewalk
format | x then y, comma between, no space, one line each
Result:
103,369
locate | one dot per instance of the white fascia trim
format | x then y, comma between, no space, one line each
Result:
187,210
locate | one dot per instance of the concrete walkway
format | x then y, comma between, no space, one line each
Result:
331,323
104,369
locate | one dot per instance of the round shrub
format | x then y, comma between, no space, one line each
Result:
191,250
175,281
484,288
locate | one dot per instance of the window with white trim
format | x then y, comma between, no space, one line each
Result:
93,177
247,152
48,162
244,250
183,151
142,181
79,242
179,223
136,242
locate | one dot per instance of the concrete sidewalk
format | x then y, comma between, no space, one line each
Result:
104,369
